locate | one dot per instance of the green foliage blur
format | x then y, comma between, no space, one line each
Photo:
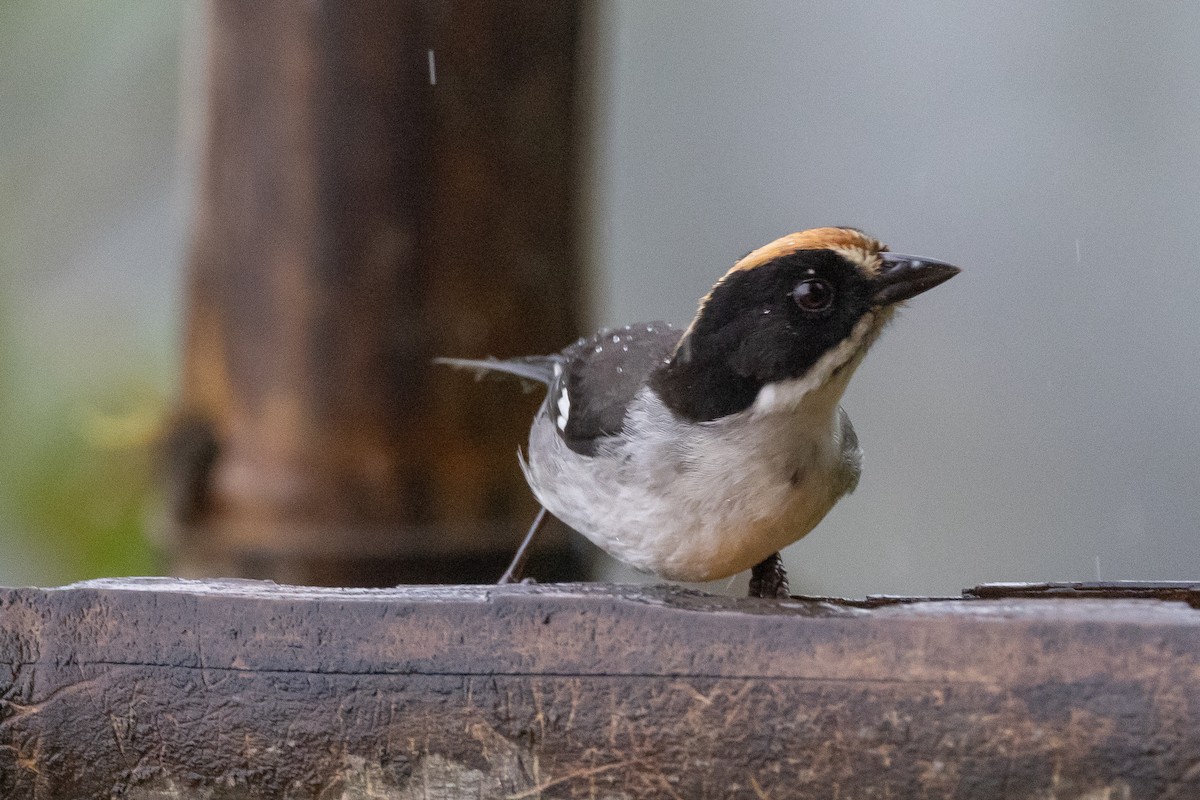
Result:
77,481
91,232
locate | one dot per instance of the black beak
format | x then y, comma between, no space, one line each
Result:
903,277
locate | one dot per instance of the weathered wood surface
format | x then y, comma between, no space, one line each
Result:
170,689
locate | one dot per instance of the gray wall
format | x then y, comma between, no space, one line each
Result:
1037,417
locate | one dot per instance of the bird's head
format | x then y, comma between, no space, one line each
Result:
789,320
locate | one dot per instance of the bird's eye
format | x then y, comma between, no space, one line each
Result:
813,295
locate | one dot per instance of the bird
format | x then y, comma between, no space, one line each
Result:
695,454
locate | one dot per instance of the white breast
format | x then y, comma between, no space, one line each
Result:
699,502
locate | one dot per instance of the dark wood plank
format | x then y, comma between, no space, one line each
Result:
171,689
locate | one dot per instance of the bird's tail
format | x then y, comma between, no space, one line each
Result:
534,368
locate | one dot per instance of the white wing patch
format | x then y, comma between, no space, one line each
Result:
564,409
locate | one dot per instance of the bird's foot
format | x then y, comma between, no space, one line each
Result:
769,578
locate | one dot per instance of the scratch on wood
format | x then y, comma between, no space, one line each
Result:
29,761
574,689
665,784
696,693
21,710
570,776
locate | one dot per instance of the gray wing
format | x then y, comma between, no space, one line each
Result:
600,377
592,382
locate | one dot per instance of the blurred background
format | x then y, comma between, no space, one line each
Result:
93,191
1035,419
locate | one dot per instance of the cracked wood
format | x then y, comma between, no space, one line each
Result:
161,688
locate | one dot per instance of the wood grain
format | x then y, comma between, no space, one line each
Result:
171,689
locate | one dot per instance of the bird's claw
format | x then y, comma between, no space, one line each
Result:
769,579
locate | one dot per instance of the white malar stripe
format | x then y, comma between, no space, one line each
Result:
786,395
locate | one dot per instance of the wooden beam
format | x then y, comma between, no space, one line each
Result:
382,182
161,688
